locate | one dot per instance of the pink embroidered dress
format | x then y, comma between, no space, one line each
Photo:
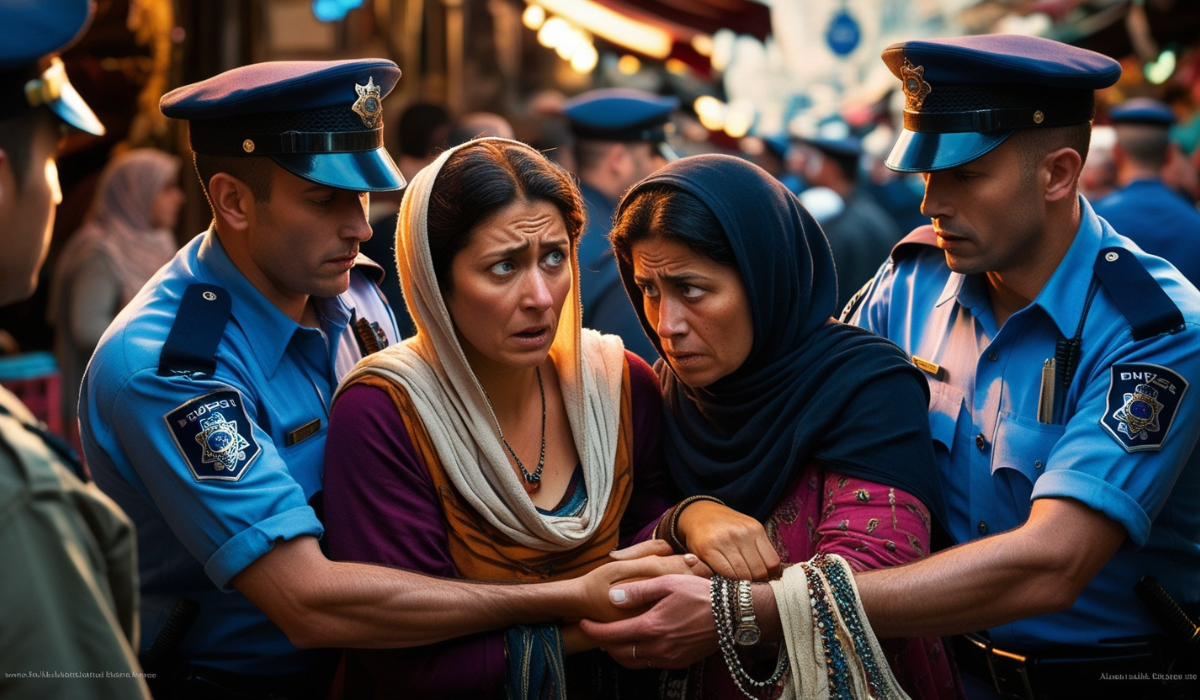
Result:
822,432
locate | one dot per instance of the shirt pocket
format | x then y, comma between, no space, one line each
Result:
1023,447
945,406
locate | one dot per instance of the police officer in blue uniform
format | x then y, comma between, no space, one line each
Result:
204,409
1061,363
620,138
68,614
1144,209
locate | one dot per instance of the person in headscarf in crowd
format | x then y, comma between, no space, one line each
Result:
127,236
502,442
814,428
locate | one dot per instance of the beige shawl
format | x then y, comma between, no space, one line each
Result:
809,678
432,368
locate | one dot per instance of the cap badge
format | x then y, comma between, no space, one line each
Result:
915,87
368,104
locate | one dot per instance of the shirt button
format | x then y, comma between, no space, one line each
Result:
993,355
1038,464
982,527
980,442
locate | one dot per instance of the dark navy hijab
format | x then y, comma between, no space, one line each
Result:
811,388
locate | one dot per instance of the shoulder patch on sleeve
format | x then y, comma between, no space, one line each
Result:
1142,402
215,436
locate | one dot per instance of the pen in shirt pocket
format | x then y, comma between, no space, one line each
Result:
1045,412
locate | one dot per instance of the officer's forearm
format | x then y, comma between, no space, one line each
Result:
1036,569
319,603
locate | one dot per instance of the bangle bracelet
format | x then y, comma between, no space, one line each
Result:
672,518
724,599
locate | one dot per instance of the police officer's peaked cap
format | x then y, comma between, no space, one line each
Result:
1142,110
30,31
620,114
964,96
321,120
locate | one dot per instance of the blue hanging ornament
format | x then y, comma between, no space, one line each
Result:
334,10
843,34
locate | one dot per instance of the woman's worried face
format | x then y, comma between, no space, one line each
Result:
697,306
509,283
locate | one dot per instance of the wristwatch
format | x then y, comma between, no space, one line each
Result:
746,632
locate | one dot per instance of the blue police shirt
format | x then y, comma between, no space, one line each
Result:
1160,221
606,305
995,456
215,468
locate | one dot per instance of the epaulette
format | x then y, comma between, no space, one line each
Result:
910,245
191,346
1137,295
913,243
373,270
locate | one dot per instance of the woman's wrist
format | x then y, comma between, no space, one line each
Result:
672,532
766,612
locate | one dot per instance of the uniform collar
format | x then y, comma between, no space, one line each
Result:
1143,180
268,329
1063,296
954,285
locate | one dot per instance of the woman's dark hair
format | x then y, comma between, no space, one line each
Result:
484,177
666,212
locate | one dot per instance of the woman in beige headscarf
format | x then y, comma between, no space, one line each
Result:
502,442
126,238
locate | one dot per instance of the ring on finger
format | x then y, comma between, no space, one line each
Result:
635,651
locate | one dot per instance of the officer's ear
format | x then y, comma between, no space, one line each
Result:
232,200
618,161
1063,166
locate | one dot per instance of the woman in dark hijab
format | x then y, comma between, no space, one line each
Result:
815,428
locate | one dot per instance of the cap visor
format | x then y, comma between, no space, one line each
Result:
925,152
361,171
71,108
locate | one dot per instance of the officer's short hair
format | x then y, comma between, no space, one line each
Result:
16,140
480,179
1034,144
669,213
1146,145
255,173
589,153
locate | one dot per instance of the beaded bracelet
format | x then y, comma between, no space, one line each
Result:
671,519
836,666
723,595
843,594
